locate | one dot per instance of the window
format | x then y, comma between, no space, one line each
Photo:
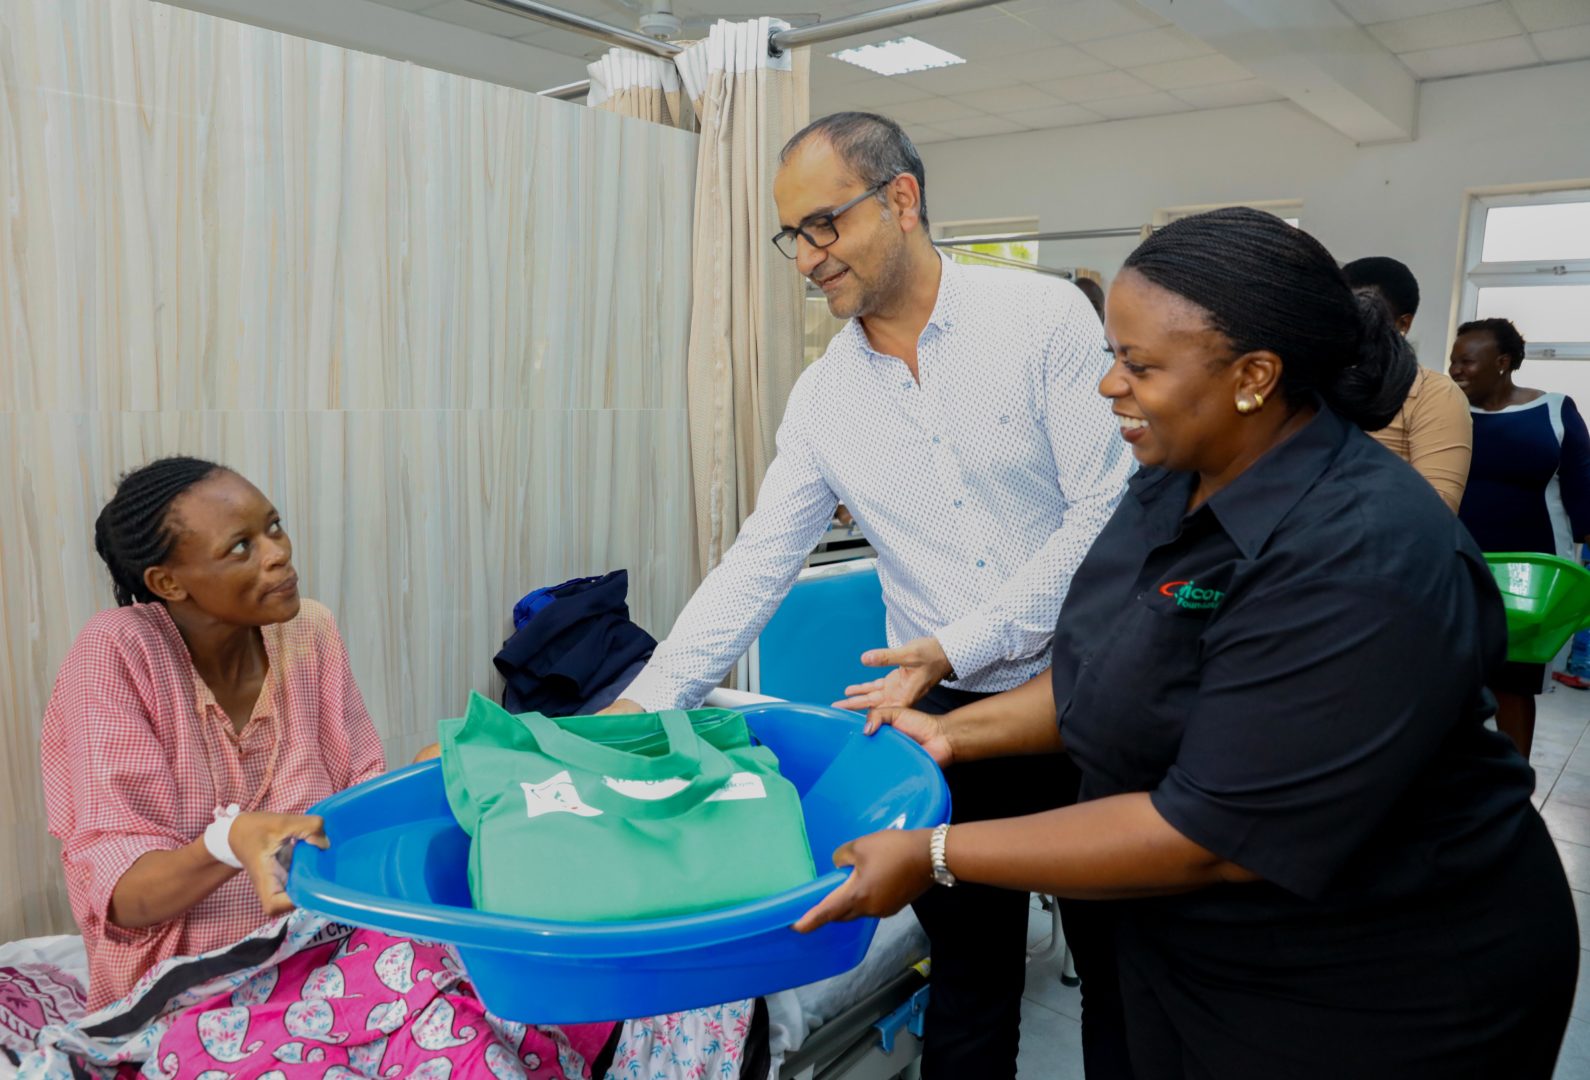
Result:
820,325
1527,258
1288,210
996,252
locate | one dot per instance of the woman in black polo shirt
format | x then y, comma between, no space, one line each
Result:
1314,859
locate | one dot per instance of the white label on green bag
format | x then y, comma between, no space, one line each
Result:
556,795
742,785
646,789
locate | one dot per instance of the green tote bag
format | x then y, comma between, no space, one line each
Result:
608,818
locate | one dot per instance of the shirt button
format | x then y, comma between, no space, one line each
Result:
981,563
957,503
935,440
907,385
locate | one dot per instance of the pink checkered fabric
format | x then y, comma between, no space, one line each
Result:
137,755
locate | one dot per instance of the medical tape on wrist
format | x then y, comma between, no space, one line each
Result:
217,836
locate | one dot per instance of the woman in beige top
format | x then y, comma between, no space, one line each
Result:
1433,431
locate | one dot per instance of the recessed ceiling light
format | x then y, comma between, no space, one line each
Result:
898,57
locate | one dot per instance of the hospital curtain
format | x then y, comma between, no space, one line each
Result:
746,299
645,87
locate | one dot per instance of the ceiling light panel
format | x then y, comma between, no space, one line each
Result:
899,57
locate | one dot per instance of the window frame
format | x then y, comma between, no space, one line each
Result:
996,229
1289,210
1476,274
1003,226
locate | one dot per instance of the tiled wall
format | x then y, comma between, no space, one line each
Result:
440,322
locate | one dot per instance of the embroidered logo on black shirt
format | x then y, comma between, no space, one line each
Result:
1188,595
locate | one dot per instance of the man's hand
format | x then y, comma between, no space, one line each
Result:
622,705
263,843
432,751
919,666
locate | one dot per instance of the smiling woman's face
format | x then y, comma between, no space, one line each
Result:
1478,366
1173,385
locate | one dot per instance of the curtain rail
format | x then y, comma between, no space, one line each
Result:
793,38
581,24
568,91
1028,238
868,21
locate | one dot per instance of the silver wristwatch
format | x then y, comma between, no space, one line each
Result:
941,869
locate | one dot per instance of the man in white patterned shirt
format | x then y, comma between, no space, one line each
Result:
957,416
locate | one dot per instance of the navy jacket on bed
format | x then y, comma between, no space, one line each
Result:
576,652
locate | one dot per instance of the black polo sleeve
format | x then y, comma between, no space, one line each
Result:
1320,702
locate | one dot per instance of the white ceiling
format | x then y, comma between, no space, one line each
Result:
1440,38
1056,63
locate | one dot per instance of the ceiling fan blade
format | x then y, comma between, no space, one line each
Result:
705,22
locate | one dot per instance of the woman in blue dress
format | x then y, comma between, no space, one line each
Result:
1529,482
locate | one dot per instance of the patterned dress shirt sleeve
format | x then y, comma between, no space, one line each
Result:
728,611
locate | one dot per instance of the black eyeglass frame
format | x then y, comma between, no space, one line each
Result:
832,217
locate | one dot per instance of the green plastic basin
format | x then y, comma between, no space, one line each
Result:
1547,601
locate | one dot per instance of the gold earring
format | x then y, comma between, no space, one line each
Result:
1244,406
1249,405
1258,401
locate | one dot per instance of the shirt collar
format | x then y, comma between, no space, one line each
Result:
1163,495
203,696
946,308
1251,507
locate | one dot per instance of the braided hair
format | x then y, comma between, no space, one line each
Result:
1397,285
1509,342
1266,285
134,532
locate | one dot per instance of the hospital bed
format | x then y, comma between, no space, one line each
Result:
862,1025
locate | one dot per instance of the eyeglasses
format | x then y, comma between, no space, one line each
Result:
819,230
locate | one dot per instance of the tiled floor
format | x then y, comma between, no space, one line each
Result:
1051,1038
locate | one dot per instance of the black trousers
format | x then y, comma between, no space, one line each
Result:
1473,982
1090,934
979,933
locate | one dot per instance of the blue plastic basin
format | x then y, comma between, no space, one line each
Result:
398,863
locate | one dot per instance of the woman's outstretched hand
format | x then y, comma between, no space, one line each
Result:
892,868
928,731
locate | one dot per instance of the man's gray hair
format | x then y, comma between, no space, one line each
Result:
874,147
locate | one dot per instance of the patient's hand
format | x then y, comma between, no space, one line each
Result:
622,705
263,843
432,751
